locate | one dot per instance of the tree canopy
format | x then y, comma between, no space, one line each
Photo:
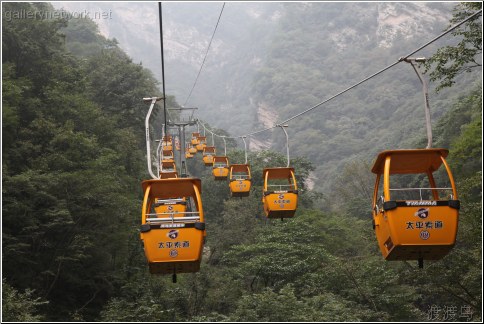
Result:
451,61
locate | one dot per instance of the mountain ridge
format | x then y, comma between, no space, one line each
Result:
270,61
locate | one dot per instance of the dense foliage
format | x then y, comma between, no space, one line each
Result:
450,61
320,50
73,150
71,164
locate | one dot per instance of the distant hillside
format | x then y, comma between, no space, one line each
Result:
270,61
238,49
322,49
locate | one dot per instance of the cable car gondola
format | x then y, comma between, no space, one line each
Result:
168,175
414,223
417,223
168,170
195,141
208,154
279,193
240,180
172,240
168,156
202,143
192,149
188,155
167,143
175,206
220,169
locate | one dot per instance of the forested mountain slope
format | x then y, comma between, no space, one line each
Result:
323,49
270,61
238,49
72,131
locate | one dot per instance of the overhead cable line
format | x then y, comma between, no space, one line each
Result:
162,63
354,85
203,62
379,72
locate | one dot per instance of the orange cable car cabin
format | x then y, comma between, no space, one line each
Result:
188,155
168,170
168,156
168,175
168,166
167,143
208,154
175,206
414,222
202,143
280,193
220,168
240,180
172,225
192,149
195,141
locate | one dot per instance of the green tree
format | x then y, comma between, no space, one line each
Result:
450,61
20,307
353,190
270,306
70,171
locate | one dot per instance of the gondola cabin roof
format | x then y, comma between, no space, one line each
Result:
220,158
169,188
168,164
239,167
209,149
410,161
278,173
168,175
